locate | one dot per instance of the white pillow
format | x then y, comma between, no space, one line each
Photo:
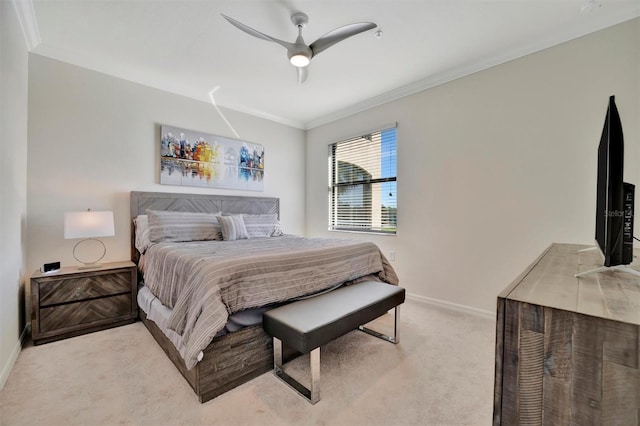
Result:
173,226
233,227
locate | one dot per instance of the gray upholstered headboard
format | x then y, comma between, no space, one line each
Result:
141,201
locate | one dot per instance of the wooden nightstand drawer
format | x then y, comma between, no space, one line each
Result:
71,301
90,312
54,291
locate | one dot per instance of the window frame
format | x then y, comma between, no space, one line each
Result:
334,184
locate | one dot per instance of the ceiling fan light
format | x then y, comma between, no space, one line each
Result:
299,60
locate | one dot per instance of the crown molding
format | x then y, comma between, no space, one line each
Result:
468,69
27,17
265,115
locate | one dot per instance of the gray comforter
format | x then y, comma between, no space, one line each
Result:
203,282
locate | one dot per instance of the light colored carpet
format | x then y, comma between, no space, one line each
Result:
441,373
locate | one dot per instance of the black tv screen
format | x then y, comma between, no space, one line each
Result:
613,197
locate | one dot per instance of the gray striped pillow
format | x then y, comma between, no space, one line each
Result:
233,227
262,225
172,226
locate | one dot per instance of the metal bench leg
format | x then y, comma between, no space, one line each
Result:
396,331
312,395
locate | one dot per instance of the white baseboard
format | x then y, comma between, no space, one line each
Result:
6,370
451,306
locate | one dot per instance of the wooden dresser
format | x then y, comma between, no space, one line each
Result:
566,347
71,301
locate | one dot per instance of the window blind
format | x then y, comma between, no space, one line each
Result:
362,183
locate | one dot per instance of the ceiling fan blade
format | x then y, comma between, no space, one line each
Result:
256,33
339,34
302,75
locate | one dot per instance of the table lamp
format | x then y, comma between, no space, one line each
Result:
89,226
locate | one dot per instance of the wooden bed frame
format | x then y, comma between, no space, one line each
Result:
234,358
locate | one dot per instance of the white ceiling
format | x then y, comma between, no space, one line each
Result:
186,47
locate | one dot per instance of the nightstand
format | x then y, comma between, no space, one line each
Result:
75,301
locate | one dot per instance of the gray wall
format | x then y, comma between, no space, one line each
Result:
94,138
13,184
495,166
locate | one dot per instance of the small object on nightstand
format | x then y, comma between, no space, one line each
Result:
72,302
50,267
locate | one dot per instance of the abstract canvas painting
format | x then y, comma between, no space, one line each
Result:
191,158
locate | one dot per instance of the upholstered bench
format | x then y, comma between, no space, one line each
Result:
307,324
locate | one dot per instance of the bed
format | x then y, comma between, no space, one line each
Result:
215,360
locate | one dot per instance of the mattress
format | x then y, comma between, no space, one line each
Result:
159,314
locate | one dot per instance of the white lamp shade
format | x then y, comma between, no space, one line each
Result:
88,224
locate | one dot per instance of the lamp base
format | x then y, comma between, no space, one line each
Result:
90,266
92,263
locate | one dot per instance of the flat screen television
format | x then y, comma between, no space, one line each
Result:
614,199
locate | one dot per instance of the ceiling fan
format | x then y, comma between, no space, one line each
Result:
299,53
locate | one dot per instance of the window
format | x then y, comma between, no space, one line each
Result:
362,183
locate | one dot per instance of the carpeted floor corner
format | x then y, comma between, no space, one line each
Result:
441,373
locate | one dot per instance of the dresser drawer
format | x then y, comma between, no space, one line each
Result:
85,313
55,290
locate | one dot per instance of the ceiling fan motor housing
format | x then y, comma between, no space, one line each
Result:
300,54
